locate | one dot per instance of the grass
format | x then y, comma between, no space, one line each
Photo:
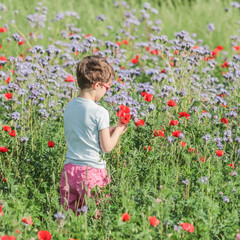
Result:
144,183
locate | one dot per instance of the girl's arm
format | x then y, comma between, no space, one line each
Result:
107,140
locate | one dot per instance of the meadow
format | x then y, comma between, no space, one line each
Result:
175,172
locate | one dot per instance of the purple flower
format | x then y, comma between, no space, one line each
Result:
226,199
210,27
203,180
15,115
24,139
186,182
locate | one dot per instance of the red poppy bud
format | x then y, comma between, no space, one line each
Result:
134,60
220,153
139,123
176,133
148,97
51,144
224,120
7,128
183,144
153,221
8,96
158,133
3,149
124,108
44,235
173,122
188,227
12,133
171,103
126,217
70,78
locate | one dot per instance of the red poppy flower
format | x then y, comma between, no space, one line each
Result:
163,71
2,58
126,118
124,108
8,96
7,128
88,35
184,114
237,48
120,113
195,47
204,111
118,43
6,237
191,150
148,48
176,133
137,56
7,80
173,122
126,217
134,60
232,165
3,149
171,64
223,105
70,78
144,93
12,133
21,42
158,133
220,153
27,220
4,179
219,47
140,122
155,52
125,42
17,231
51,144
153,221
224,120
183,144
171,103
224,65
148,97
3,29
44,235
1,212
203,159
187,227
149,148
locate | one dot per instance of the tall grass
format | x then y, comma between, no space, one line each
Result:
144,183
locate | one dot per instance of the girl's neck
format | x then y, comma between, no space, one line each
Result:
87,94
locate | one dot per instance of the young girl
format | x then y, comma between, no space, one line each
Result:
88,135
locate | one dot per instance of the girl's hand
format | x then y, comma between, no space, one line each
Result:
122,127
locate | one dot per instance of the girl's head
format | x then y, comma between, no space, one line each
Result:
93,69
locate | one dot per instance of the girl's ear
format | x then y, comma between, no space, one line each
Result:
96,84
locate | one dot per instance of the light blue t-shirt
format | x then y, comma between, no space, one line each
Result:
83,119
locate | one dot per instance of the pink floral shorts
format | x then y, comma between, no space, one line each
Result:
76,183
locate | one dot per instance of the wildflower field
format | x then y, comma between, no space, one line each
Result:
175,172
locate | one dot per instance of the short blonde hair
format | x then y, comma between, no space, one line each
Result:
93,69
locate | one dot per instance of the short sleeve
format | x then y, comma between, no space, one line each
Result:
102,119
